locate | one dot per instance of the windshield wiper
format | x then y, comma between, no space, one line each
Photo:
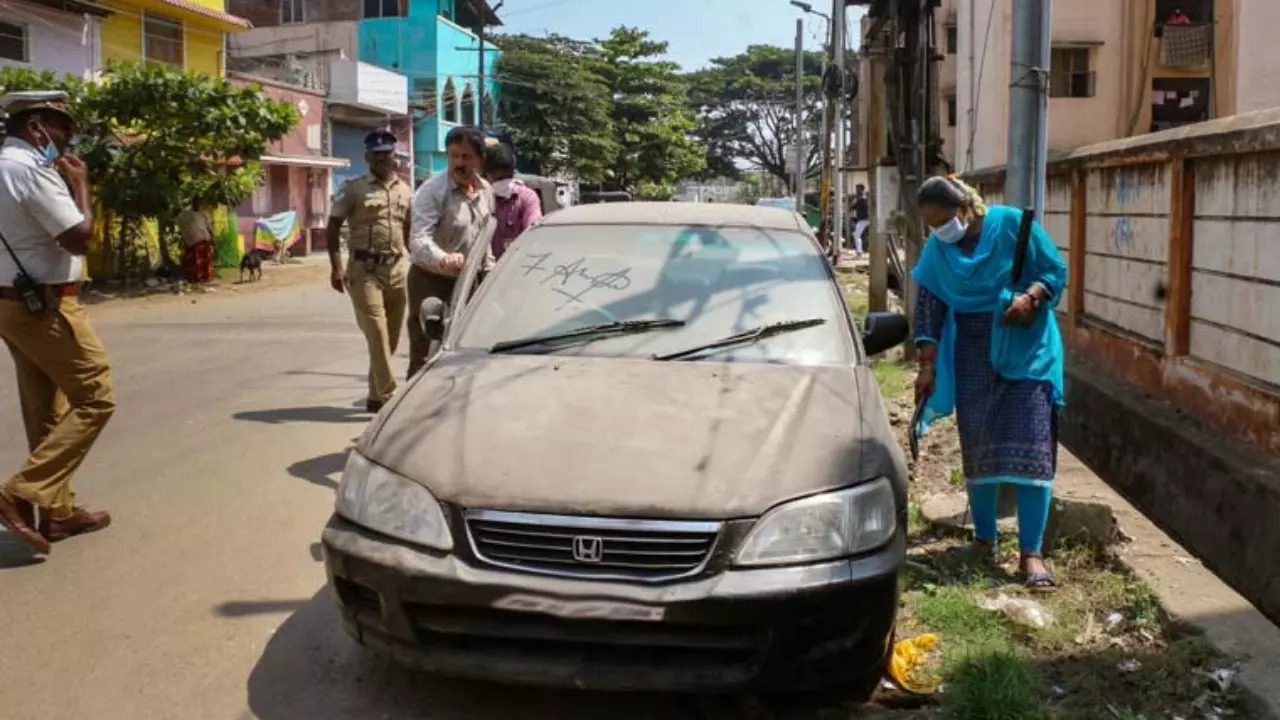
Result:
745,338
588,333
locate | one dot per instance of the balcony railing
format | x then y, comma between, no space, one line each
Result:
1186,45
1073,85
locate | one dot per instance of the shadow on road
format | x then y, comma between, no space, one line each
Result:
324,470
323,414
259,607
312,669
15,554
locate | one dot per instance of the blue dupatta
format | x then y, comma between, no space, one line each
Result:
982,283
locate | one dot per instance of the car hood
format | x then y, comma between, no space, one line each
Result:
632,437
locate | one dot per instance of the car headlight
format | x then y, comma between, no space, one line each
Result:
822,527
374,497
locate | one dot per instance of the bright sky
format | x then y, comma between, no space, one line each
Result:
698,30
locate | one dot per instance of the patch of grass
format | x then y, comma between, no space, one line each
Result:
895,377
859,305
994,685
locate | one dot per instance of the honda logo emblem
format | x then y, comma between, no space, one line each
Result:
587,549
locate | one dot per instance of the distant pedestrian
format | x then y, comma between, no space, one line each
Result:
1178,18
452,218
197,241
377,207
518,205
64,379
991,351
861,218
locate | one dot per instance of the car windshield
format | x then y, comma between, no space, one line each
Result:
716,281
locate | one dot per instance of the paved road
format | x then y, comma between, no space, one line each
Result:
205,598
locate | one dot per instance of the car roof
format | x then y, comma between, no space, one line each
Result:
677,214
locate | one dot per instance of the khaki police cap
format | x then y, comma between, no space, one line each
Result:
19,102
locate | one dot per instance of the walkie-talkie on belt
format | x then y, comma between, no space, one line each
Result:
25,285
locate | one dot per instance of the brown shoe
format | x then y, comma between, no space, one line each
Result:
81,521
11,518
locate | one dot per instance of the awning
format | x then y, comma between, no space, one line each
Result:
185,10
316,161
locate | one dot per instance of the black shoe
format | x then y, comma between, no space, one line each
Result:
373,406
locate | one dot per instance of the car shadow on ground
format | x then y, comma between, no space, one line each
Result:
322,414
324,470
312,669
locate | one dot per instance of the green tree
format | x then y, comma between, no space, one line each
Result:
652,120
157,140
745,108
555,107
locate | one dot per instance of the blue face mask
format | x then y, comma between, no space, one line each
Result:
50,152
950,232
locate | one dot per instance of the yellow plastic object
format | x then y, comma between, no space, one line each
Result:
907,666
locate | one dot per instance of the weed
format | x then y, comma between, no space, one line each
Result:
894,376
993,685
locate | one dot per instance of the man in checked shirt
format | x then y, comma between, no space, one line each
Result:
453,216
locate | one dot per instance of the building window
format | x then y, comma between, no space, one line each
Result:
382,9
952,111
292,12
1179,101
422,94
449,102
953,40
162,40
13,42
468,106
1069,73
1182,12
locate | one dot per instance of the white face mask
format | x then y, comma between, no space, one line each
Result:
502,188
950,232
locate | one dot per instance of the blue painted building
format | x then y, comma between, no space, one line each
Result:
441,58
432,43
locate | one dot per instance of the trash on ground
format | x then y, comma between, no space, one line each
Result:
907,667
1023,611
1223,678
1129,666
1114,620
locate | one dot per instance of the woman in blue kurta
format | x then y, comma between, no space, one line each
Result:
991,352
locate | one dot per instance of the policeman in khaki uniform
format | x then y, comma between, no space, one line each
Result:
377,206
64,380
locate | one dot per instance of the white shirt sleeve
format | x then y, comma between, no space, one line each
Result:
428,204
49,202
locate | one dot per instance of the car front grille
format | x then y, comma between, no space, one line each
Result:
590,547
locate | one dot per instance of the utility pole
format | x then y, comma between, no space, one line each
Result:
837,214
800,152
1028,104
479,9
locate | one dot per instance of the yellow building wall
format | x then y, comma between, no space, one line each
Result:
122,37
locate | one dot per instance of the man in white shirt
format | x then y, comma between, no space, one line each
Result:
452,217
64,379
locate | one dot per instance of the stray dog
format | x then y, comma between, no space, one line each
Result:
252,264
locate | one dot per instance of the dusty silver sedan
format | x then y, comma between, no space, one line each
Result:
650,454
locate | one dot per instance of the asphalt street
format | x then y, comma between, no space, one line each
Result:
206,598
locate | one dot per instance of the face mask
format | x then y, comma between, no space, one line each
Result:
49,151
950,232
502,188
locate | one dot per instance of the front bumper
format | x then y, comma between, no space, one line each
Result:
780,628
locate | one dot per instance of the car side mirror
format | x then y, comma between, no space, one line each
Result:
883,331
431,315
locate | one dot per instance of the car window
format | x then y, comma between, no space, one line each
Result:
719,281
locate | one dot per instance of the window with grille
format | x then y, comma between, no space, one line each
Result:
449,102
382,8
1070,75
292,12
162,40
13,42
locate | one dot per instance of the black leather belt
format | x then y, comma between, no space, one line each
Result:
376,258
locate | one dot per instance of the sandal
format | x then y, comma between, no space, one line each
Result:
1042,581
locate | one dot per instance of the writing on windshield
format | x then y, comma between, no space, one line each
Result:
573,280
